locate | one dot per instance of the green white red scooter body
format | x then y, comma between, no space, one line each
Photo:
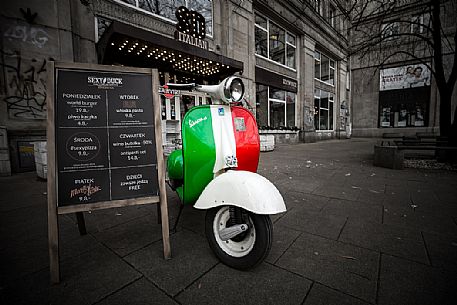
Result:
219,160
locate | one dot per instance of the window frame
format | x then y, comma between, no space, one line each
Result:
287,44
389,30
283,102
330,61
332,15
330,100
417,21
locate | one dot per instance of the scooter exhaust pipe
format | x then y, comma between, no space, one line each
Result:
230,232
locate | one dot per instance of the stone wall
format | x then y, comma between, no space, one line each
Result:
32,34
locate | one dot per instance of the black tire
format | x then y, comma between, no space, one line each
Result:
260,227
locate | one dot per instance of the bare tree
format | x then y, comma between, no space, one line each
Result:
384,32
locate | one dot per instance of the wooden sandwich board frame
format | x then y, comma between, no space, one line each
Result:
54,209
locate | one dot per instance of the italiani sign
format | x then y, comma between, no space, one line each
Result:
404,77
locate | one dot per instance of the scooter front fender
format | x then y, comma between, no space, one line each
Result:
243,189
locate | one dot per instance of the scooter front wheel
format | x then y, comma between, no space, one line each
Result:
248,248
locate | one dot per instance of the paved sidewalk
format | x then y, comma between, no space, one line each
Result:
353,234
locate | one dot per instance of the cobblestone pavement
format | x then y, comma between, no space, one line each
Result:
353,234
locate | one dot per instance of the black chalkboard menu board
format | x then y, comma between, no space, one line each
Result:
104,142
105,138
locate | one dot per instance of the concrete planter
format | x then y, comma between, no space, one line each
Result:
388,156
282,136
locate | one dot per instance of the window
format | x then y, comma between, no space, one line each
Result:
273,42
290,47
277,43
324,68
261,34
167,8
419,23
389,30
275,107
316,4
409,114
323,110
331,15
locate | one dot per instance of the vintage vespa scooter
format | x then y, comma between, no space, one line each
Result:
216,171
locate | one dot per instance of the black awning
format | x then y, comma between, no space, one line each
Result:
128,45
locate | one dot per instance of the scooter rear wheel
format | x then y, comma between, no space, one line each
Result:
247,249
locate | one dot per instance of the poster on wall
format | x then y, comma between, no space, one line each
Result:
404,77
419,119
385,117
402,118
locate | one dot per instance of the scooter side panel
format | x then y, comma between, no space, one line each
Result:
246,138
198,152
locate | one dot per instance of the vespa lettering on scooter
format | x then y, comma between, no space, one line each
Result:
193,123
216,171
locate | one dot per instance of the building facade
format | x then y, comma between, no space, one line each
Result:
292,56
394,78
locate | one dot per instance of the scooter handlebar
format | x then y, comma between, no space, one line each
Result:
188,87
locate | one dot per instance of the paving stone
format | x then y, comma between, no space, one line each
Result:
341,192
304,220
131,236
354,209
301,183
30,289
307,201
372,195
100,220
191,257
322,295
423,220
367,181
405,282
266,284
442,249
91,276
394,240
84,280
141,292
11,199
283,237
23,224
447,193
193,220
30,253
340,266
21,259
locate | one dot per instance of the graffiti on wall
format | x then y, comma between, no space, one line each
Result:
35,36
25,81
309,118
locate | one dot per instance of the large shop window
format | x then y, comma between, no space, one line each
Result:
324,68
275,108
273,42
167,9
404,95
323,110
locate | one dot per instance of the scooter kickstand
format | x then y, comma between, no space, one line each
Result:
181,207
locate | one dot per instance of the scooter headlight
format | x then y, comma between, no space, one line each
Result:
234,89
